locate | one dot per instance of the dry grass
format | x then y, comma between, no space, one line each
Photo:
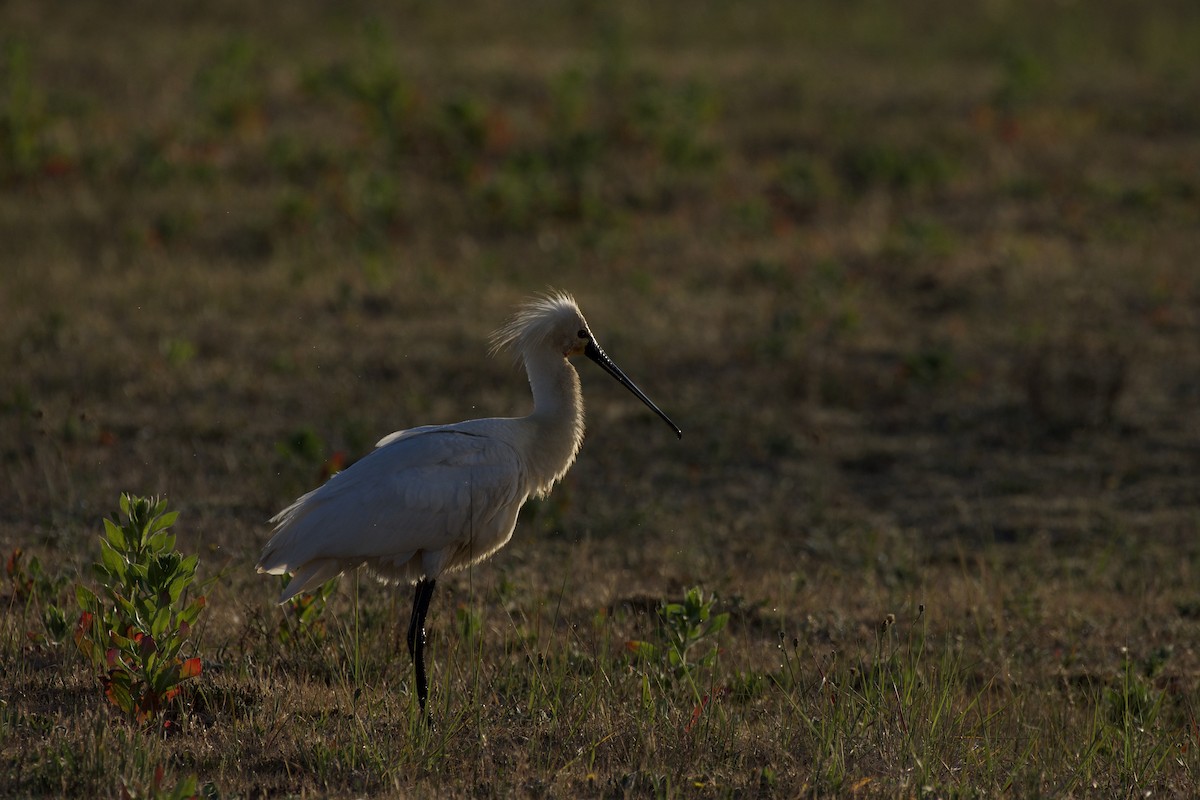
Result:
920,289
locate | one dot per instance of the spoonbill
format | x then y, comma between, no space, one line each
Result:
439,498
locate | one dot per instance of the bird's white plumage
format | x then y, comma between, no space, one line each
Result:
438,498
426,501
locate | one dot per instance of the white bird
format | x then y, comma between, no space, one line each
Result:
439,498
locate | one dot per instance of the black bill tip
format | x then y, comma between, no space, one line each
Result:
593,351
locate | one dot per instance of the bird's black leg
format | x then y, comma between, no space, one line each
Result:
412,621
416,635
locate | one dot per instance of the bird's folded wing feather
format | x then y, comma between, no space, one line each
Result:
423,490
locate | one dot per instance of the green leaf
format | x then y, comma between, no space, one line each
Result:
112,560
175,589
117,690
161,621
85,638
165,679
85,598
101,573
164,521
192,611
168,563
120,641
188,565
114,534
641,649
169,647
54,620
125,608
185,788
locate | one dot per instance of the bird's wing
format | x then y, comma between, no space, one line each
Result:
423,490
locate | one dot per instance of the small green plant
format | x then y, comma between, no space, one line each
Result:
462,133
31,585
133,631
22,116
867,166
188,788
930,366
1133,707
304,444
518,194
801,185
229,85
178,352
682,630
470,622
1024,77
306,621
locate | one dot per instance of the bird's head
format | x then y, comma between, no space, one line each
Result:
554,322
551,321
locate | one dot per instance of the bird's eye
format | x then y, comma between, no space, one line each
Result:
583,334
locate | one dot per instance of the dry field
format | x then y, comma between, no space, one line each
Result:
918,281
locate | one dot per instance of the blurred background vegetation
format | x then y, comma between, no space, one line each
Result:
918,281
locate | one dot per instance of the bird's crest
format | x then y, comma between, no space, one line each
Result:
537,321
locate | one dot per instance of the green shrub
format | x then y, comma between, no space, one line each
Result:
134,629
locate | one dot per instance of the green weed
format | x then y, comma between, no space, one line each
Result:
134,631
22,113
187,788
685,637
39,591
802,185
1023,77
872,165
178,352
305,621
229,87
304,444
1134,707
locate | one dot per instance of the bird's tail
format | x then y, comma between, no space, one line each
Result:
307,576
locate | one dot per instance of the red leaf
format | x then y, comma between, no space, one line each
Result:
82,640
190,669
333,465
717,694
146,644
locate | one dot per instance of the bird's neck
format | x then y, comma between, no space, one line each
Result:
557,417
